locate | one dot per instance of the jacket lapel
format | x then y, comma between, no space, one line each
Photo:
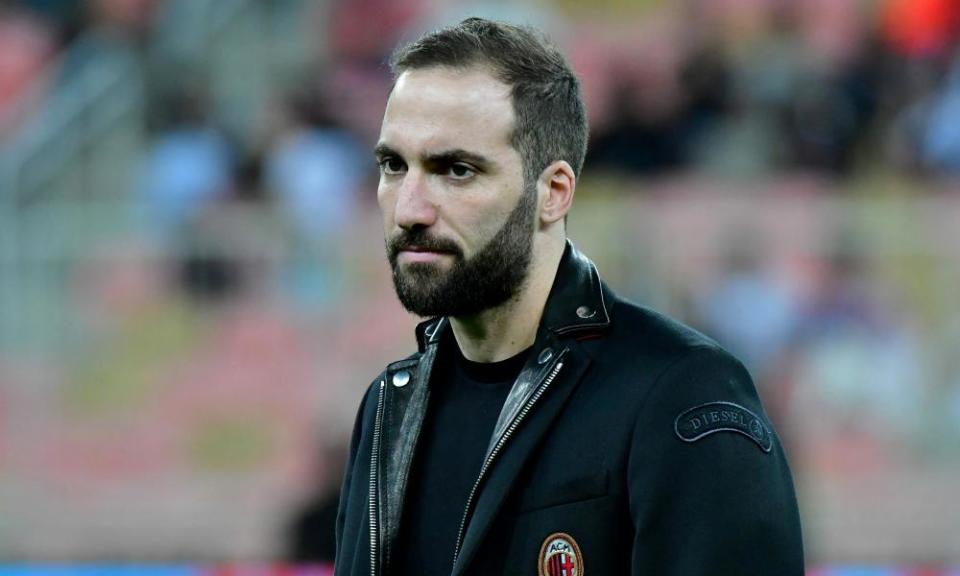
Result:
408,392
515,453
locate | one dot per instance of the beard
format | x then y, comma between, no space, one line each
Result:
494,275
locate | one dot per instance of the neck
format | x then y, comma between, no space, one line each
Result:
506,330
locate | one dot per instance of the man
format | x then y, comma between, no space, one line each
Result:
544,426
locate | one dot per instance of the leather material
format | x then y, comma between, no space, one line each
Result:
403,416
577,287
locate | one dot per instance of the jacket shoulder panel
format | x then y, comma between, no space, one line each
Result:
648,328
641,345
704,449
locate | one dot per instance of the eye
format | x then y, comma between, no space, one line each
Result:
461,171
392,165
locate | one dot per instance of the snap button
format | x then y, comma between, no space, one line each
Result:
586,312
545,356
401,379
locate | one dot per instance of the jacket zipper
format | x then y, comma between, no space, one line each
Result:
374,469
499,445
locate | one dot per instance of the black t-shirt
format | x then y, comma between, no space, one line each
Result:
465,401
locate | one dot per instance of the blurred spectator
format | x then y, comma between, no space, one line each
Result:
940,144
229,247
640,141
27,44
921,28
311,534
67,16
315,167
747,309
367,30
823,125
647,134
126,16
860,372
836,96
187,167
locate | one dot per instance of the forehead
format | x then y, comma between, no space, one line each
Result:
440,108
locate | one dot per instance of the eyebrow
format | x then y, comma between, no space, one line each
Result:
458,155
382,151
444,157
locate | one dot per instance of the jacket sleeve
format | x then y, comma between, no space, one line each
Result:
710,491
345,491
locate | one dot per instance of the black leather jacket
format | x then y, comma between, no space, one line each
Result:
629,440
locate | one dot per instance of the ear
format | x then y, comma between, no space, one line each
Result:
557,184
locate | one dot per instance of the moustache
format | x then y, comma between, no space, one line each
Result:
420,240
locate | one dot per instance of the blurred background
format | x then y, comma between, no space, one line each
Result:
193,292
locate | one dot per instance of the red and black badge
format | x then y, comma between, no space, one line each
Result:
560,556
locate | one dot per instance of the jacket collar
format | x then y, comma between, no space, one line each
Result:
575,304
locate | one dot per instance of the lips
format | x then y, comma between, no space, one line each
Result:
420,254
418,246
425,248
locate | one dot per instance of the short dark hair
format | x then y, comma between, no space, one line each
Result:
551,119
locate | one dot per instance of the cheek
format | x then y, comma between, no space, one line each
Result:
386,199
477,225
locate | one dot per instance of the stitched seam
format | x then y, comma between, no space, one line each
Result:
542,507
401,364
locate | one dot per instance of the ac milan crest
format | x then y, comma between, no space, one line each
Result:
560,556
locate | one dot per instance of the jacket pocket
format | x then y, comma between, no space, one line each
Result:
565,491
599,526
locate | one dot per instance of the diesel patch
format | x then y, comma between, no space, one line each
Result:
695,423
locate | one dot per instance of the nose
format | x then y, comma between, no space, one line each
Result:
414,207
